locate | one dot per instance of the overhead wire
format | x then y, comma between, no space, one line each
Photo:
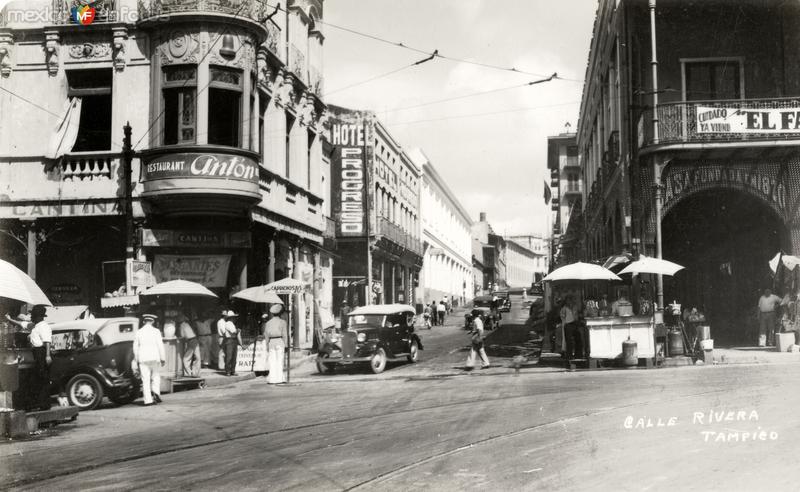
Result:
391,72
490,113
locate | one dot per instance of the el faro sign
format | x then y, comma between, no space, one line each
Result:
349,176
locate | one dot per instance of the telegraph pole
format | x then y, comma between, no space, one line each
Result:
127,170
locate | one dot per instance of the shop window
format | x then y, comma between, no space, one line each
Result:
93,88
179,92
225,107
711,80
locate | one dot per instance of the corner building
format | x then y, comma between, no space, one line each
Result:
375,202
224,101
700,141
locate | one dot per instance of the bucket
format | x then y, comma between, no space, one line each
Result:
707,344
675,343
630,353
703,332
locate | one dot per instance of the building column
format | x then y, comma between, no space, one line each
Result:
382,296
243,272
316,300
392,296
30,225
297,319
271,266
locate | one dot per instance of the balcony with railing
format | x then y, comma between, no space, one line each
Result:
253,10
394,233
709,124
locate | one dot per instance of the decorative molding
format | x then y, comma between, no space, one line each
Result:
306,109
52,46
284,89
120,41
6,43
90,50
263,71
180,47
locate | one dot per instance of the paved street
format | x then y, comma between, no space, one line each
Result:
432,426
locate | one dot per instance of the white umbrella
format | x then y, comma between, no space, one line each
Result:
258,294
16,284
790,262
647,264
179,287
581,271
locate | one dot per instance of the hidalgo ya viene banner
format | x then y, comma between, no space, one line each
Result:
349,199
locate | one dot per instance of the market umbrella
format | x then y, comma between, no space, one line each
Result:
616,262
258,294
647,264
790,262
16,284
179,287
581,271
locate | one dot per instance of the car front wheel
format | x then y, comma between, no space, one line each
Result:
378,361
413,352
85,392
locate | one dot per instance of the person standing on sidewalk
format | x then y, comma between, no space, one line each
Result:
767,304
441,310
277,333
41,337
148,352
477,350
231,341
572,335
191,347
203,324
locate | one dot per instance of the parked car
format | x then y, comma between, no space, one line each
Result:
491,310
92,359
505,300
372,335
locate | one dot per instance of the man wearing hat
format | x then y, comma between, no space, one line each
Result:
41,337
476,337
148,352
231,341
276,332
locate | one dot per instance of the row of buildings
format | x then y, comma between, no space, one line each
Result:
175,139
687,146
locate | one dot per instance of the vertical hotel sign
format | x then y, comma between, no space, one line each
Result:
349,178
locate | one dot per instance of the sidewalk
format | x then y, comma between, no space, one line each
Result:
753,355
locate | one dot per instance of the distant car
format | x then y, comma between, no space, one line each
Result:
92,359
491,310
505,299
373,335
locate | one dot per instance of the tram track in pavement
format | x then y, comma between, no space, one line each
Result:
56,474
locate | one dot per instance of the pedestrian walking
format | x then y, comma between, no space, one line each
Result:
191,347
426,315
446,301
41,338
476,339
441,310
343,312
767,304
148,352
434,313
205,337
231,341
277,333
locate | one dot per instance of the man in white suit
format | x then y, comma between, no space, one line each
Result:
148,351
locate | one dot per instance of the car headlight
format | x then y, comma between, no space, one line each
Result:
361,337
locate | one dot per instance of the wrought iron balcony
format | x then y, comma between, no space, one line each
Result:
398,236
249,9
718,122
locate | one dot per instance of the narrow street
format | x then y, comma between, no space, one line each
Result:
434,427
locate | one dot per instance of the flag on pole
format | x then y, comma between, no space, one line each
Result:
547,193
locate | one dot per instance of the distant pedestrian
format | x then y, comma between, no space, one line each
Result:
446,301
767,304
441,310
573,336
191,347
426,315
231,341
41,337
476,339
205,337
344,311
276,332
148,352
434,313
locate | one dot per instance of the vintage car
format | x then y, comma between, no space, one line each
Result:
505,300
372,335
91,359
491,315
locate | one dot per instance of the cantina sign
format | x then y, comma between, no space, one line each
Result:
761,181
201,165
348,180
755,120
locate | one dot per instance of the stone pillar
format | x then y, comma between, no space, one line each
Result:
298,317
271,266
243,256
392,296
382,296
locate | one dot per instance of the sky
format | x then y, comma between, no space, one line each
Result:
494,163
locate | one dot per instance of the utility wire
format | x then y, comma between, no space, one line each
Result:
472,94
422,51
490,113
420,62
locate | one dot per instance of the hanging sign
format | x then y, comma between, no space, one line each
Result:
349,178
755,120
207,270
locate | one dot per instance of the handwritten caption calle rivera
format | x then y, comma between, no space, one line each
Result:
711,418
